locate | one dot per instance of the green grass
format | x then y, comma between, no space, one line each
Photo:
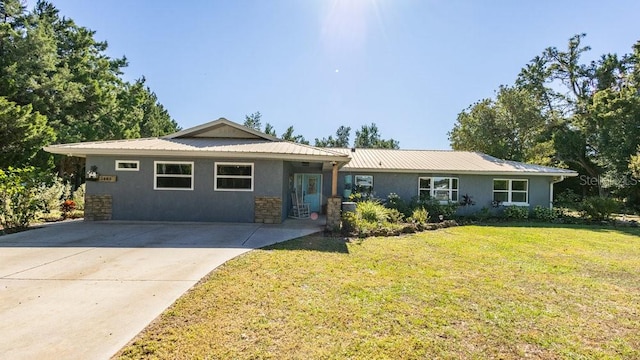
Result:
470,292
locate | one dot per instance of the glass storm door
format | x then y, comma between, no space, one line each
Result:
310,189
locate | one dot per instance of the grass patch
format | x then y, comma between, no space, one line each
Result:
470,292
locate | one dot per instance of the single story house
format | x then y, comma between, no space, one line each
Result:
222,171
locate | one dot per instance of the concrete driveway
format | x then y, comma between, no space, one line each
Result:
82,290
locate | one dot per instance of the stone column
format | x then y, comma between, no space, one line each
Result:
334,213
268,210
97,207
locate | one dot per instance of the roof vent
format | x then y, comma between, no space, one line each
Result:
353,149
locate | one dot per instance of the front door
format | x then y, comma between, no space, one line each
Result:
309,186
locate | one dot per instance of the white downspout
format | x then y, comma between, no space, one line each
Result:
554,181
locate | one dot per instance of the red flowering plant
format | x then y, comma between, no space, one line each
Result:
67,207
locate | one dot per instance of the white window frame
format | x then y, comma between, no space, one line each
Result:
156,175
216,176
510,192
118,162
432,190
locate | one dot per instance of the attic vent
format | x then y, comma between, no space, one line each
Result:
305,163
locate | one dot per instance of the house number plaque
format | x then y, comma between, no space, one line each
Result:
107,178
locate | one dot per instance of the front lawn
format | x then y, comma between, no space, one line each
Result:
470,292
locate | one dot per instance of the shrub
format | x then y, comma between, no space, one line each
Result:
544,213
568,199
395,202
516,212
78,196
373,219
483,214
67,207
598,208
420,216
52,196
467,200
434,208
372,211
19,201
357,196
368,216
394,216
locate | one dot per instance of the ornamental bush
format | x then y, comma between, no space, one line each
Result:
19,198
372,211
544,213
420,216
598,208
514,212
78,196
371,218
395,202
435,209
52,195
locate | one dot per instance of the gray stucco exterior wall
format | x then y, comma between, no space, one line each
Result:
479,187
134,197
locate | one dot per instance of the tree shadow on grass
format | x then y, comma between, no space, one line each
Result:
316,242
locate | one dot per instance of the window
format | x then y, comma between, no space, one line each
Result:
363,185
233,176
443,189
510,191
127,165
173,175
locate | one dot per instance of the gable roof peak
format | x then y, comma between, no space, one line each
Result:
221,128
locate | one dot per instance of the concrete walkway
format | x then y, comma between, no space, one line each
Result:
82,290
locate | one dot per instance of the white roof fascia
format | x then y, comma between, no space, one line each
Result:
462,172
192,154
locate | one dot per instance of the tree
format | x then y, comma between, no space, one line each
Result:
269,130
10,9
568,110
341,140
564,112
59,70
19,199
22,134
253,121
141,113
368,137
615,119
511,127
288,135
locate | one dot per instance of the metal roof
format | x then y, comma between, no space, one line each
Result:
440,161
224,138
220,138
201,147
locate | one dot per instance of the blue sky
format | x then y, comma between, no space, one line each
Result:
410,66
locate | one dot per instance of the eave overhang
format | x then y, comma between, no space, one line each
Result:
460,172
61,150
